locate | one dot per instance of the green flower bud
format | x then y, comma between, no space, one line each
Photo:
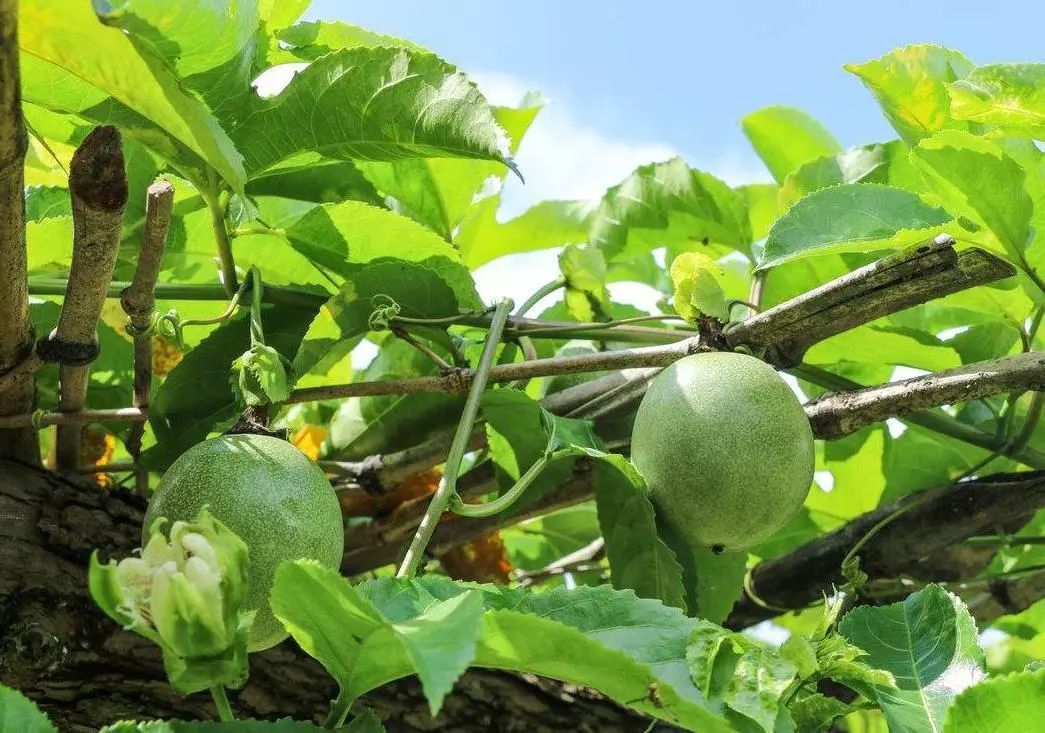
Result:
185,593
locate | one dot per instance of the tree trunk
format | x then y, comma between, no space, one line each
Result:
85,672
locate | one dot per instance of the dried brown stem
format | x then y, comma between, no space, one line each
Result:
16,331
98,188
139,302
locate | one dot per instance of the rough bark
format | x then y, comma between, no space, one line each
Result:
84,671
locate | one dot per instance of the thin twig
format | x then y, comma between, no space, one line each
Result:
139,303
98,188
16,330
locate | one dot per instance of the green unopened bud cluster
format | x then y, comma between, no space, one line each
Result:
184,592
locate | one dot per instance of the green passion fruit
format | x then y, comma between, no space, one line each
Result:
267,492
725,448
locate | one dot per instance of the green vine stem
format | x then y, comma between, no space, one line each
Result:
462,437
507,499
257,290
539,294
221,702
211,197
338,711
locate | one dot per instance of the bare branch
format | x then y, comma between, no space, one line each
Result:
954,512
139,302
98,187
81,417
16,331
836,415
892,284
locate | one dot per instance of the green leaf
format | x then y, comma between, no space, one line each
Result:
929,644
1011,96
697,290
19,714
433,287
885,345
815,713
364,426
745,676
712,582
639,559
310,40
210,46
911,85
1013,703
196,396
669,204
440,192
854,217
787,138
315,179
597,637
482,238
259,377
72,63
533,544
973,177
763,208
865,163
373,104
584,269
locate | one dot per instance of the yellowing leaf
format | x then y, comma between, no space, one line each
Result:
697,291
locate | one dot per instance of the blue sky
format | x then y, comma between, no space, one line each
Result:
632,82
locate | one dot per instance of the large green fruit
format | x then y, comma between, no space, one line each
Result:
271,495
725,448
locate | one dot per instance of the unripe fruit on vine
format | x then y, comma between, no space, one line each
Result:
725,448
271,495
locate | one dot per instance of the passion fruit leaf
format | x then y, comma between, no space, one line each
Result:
712,582
669,204
1012,703
19,714
695,277
378,103
786,138
974,178
436,286
885,344
584,269
482,238
196,397
853,217
928,642
1006,95
597,637
864,163
108,79
911,85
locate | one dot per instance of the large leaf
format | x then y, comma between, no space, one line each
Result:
1008,95
864,163
439,192
855,217
482,238
911,86
210,45
18,714
669,204
310,40
928,643
712,582
197,396
321,181
434,287
597,637
885,345
973,177
1014,703
373,104
74,63
787,138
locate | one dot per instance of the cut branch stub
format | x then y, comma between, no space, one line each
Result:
931,270
98,188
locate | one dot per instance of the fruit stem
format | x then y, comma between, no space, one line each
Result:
221,702
462,437
257,333
507,499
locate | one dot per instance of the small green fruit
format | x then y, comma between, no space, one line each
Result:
725,448
267,492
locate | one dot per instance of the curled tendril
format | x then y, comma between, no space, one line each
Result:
169,325
385,309
36,419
